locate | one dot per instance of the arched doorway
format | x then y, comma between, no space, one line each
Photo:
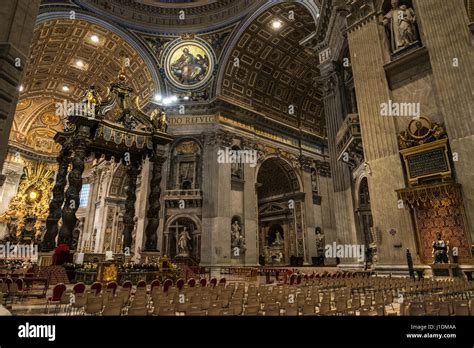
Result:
280,214
365,218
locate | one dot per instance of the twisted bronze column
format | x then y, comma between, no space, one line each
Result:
71,203
153,213
49,238
133,169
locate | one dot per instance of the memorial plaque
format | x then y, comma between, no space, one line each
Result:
428,162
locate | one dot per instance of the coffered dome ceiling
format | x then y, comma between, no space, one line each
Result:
66,57
275,71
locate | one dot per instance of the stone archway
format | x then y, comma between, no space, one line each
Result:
280,214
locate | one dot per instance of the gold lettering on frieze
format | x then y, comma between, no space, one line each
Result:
191,120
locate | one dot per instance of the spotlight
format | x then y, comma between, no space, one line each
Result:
167,101
186,97
158,97
79,63
94,38
174,98
21,88
65,88
276,24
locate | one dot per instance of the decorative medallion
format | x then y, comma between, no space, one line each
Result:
189,64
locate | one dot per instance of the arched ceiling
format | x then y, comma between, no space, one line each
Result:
275,71
276,177
164,15
57,47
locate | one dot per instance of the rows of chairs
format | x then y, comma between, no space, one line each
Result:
12,289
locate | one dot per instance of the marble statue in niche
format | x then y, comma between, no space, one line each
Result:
400,22
183,243
237,239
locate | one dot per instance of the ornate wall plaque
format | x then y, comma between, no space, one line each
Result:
189,64
427,161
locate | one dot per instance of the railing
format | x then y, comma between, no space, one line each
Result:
172,194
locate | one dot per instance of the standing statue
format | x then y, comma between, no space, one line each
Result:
319,241
237,240
183,243
91,99
159,121
400,24
440,250
278,239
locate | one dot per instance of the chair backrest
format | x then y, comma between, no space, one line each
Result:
113,286
141,284
213,282
127,285
79,288
222,281
180,284
97,287
58,291
19,284
154,283
167,284
192,282
203,282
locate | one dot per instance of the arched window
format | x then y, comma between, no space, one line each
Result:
364,197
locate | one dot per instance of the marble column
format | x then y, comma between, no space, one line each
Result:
392,225
216,210
340,173
446,35
250,216
17,19
90,209
310,221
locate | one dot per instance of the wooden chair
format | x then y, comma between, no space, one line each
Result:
272,309
138,311
93,305
58,291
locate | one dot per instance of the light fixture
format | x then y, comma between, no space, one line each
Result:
21,88
33,195
167,101
174,98
186,97
276,24
65,88
94,38
79,63
158,97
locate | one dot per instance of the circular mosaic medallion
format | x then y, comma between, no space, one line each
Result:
189,64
